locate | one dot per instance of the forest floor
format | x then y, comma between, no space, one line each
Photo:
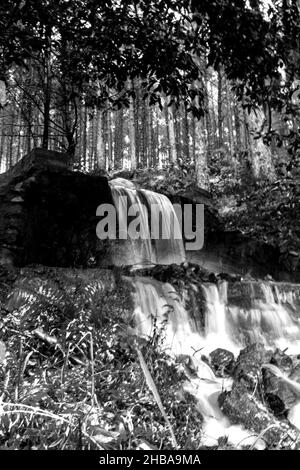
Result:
73,374
70,374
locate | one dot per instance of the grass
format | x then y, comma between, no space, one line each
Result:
72,377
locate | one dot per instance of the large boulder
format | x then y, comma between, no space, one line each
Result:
282,360
242,407
248,370
222,362
278,393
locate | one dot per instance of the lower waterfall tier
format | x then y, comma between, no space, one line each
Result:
223,317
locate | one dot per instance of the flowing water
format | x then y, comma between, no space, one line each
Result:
234,315
166,247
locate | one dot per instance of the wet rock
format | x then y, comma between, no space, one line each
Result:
247,371
276,405
222,362
243,407
282,360
278,395
295,373
229,277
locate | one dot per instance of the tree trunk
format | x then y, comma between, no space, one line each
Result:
201,160
193,139
99,141
132,133
209,116
119,138
47,86
237,124
110,140
84,135
220,114
229,119
171,133
11,137
186,144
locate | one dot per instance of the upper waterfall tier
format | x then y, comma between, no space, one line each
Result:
157,239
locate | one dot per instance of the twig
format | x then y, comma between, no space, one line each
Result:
262,434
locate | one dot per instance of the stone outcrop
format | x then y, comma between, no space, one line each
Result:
48,213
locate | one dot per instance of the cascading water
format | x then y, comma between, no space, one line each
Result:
266,315
167,248
133,251
235,314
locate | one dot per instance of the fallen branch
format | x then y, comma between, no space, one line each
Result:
153,388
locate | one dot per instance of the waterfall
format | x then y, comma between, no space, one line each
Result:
159,310
166,248
234,314
271,318
131,251
268,314
170,249
267,319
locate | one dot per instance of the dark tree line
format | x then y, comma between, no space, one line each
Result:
147,83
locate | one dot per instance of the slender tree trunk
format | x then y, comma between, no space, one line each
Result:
171,133
213,120
194,139
18,155
157,142
178,126
110,140
209,116
150,135
11,137
2,141
186,142
201,160
99,141
132,133
84,135
229,119
220,110
119,138
47,86
136,113
166,112
145,137
237,124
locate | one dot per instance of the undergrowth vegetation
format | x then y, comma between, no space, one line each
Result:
74,376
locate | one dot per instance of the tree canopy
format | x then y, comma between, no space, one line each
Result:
105,43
